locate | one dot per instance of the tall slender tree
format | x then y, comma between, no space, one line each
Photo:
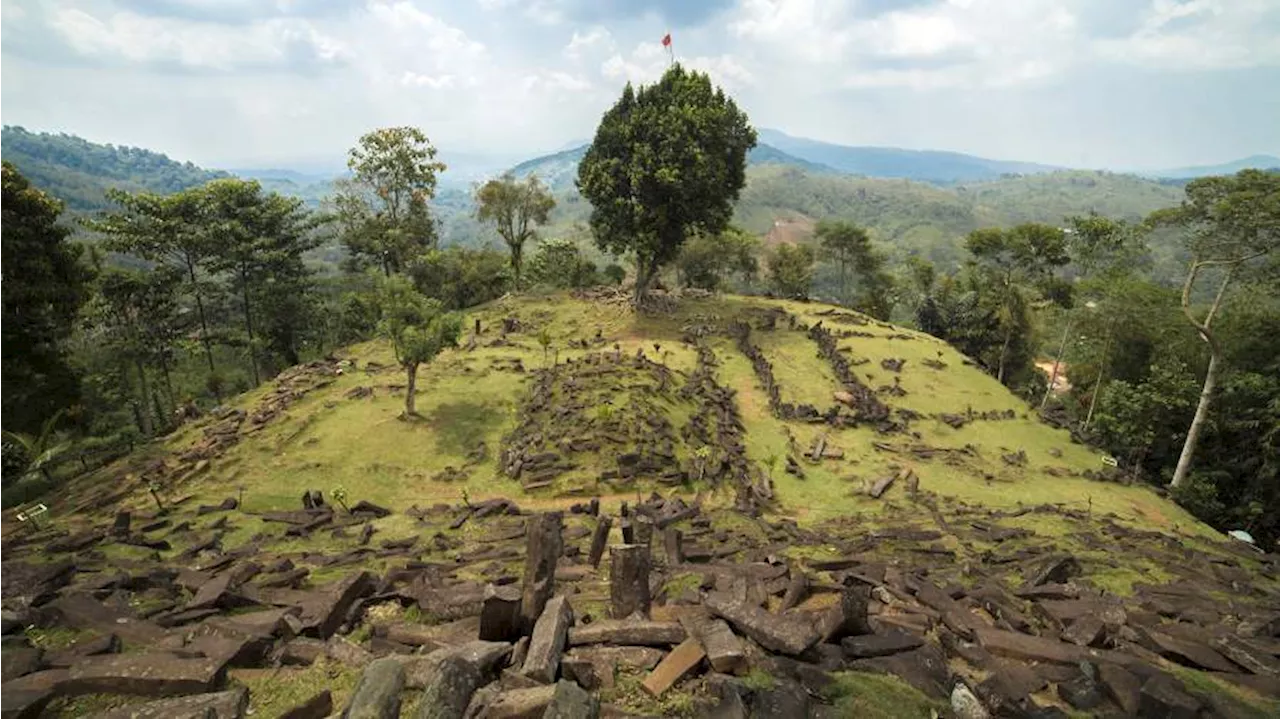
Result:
515,208
1230,222
261,239
843,242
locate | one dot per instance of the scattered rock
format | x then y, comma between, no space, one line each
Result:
547,642
674,666
377,696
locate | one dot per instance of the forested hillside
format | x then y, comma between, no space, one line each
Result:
79,172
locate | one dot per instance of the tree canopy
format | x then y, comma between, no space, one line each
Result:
668,159
383,208
516,208
44,286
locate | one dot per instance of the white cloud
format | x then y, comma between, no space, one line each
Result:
582,43
1201,35
413,79
555,80
137,38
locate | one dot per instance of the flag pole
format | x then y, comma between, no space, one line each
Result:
671,53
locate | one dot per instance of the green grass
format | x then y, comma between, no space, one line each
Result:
324,440
272,692
1233,700
879,696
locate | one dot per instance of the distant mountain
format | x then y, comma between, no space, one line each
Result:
560,169
78,172
1255,162
932,166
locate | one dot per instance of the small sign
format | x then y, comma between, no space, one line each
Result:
1110,461
32,513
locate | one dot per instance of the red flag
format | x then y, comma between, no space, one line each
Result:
666,40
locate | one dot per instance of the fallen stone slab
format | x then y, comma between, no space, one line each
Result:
880,645
1028,648
345,652
64,658
1162,696
637,632
1057,570
924,668
148,674
20,661
1122,686
571,701
317,707
27,696
326,608
377,696
674,667
1247,654
592,667
529,703
725,651
547,642
1085,631
785,634
301,651
230,704
82,612
449,677
1049,591
1190,653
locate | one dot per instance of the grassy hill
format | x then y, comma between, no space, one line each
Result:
779,423
78,172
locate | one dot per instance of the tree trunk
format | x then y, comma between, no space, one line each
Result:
1183,470
1004,350
410,403
1193,434
204,323
144,388
517,259
1097,383
248,327
844,294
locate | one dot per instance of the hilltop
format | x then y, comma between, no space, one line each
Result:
78,172
804,470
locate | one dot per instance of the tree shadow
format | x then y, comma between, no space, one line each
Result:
460,426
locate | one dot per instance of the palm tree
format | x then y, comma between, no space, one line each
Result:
38,451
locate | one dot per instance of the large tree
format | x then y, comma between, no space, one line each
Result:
845,243
382,208
43,288
791,270
168,229
1015,262
135,317
515,208
419,329
1230,222
708,261
667,159
261,239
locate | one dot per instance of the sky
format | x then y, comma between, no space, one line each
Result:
1120,84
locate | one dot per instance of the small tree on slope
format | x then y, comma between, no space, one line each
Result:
515,208
419,329
667,159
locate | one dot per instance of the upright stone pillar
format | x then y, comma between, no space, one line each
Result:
544,546
629,580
